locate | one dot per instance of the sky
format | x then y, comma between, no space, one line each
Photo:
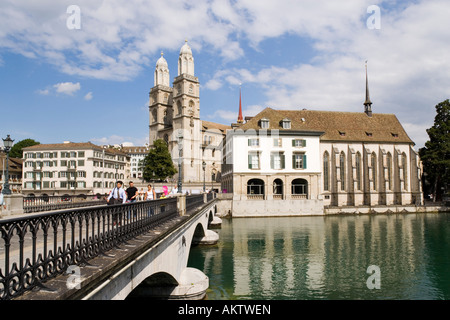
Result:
81,70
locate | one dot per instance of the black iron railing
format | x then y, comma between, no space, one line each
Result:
48,203
193,202
40,247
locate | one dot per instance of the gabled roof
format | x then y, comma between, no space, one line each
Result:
207,125
338,126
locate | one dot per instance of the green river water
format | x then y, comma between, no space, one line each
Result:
328,257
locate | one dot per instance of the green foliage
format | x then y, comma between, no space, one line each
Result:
435,155
16,150
158,164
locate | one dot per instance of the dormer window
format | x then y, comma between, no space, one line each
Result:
264,123
369,134
342,133
286,124
395,135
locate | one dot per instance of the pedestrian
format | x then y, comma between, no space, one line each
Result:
132,192
141,194
150,194
117,196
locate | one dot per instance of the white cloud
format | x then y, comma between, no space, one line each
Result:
43,92
68,88
88,96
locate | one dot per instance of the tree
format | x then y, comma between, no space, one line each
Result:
435,155
16,150
158,163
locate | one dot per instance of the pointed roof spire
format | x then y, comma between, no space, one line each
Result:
240,117
367,103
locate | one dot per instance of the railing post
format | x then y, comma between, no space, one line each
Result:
205,197
14,204
181,204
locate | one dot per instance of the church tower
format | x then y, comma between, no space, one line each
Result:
367,103
186,115
160,105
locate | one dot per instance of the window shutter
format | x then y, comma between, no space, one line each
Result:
304,161
293,142
249,142
282,161
293,162
303,143
249,161
272,160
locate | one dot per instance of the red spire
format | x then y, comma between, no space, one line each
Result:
240,118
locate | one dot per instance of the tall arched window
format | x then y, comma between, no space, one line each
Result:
358,171
389,170
342,170
405,170
373,162
326,171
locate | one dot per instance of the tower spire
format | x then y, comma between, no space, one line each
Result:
367,103
240,118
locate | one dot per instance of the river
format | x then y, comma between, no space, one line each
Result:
398,256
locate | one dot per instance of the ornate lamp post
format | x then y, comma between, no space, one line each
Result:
204,167
8,143
180,150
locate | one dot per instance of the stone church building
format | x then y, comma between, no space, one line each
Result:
174,111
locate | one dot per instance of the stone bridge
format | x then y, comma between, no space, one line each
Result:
108,252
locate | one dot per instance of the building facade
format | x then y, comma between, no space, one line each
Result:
340,158
72,168
136,154
175,111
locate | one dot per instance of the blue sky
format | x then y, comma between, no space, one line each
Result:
92,83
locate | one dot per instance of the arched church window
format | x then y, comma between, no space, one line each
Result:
373,161
342,170
326,172
166,139
358,171
179,108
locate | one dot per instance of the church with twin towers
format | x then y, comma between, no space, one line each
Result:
175,110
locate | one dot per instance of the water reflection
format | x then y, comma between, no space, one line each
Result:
328,257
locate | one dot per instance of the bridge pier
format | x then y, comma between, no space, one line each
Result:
210,238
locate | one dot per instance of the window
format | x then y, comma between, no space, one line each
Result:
299,187
299,143
299,161
253,161
389,170
277,161
264,123
342,170
286,124
369,134
373,162
277,142
80,154
405,171
326,172
81,163
253,142
358,171
255,186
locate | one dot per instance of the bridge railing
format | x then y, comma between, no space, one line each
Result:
43,246
48,203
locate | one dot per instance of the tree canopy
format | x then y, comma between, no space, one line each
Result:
435,155
158,164
16,150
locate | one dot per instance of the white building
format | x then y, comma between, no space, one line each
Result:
137,155
72,168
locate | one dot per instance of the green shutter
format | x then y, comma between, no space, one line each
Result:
249,161
293,161
304,161
293,142
249,143
282,161
303,143
272,160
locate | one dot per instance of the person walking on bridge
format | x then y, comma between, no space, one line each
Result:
117,196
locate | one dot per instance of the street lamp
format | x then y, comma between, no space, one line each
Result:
180,150
8,142
204,167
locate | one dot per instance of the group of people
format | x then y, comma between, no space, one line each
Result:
131,194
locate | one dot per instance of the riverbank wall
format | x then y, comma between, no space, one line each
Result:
227,207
